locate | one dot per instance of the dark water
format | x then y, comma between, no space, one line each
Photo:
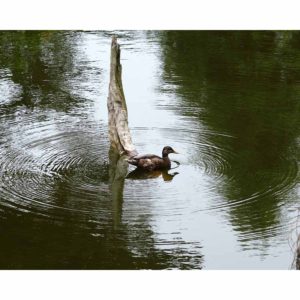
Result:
227,101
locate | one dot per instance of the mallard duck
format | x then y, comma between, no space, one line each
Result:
152,162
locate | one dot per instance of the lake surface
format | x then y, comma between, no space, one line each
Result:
229,102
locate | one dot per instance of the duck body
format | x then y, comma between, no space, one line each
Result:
150,162
153,162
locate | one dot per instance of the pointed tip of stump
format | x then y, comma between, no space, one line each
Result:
114,39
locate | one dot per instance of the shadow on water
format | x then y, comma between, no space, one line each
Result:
242,85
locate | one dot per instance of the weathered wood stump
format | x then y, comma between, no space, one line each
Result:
119,133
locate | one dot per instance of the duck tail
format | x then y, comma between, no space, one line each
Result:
132,161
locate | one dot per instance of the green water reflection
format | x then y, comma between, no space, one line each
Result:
244,84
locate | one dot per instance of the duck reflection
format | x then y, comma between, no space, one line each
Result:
140,174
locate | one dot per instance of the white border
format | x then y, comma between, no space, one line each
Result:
154,14
246,285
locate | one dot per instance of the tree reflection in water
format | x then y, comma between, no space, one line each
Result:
242,85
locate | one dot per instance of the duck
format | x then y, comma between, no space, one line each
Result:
151,162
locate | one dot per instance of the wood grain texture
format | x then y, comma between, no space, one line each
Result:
119,133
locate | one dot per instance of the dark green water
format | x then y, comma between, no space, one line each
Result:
229,102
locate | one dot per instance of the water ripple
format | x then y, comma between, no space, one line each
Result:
33,168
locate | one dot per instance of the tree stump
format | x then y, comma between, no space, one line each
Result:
119,133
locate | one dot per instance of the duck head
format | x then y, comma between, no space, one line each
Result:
167,150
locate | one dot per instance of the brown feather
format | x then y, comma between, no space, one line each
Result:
152,162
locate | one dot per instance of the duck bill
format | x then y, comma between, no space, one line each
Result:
175,152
